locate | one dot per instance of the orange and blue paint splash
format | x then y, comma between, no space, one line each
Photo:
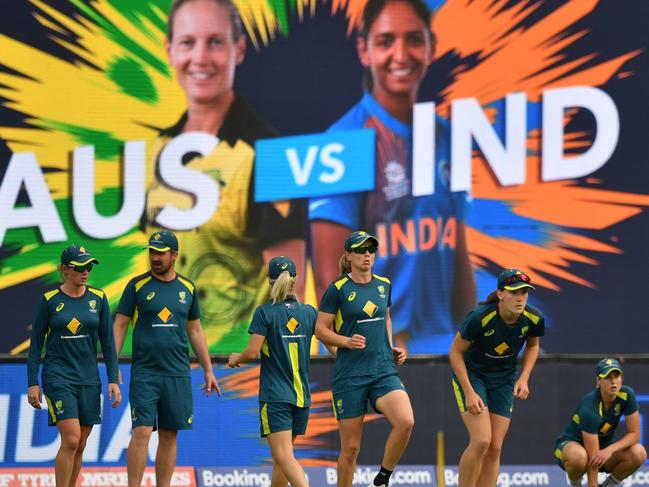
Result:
501,50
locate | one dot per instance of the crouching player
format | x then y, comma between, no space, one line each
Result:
586,445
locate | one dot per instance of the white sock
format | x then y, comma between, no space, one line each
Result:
611,481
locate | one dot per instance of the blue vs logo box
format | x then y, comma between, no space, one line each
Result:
307,166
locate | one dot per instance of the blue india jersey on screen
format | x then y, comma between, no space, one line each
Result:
417,235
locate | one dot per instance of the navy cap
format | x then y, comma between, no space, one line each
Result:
279,264
358,238
77,255
513,279
163,241
606,366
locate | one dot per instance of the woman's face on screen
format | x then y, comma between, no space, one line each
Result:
203,52
398,50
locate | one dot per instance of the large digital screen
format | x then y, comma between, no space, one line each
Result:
523,147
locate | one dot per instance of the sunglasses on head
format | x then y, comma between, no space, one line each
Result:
81,268
366,248
516,278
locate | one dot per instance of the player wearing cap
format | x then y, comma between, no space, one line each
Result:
282,330
586,445
69,320
483,359
163,308
354,316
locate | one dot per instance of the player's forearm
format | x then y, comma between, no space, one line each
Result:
591,445
629,439
388,327
459,369
120,327
199,344
248,355
329,337
36,343
33,358
530,355
108,348
110,358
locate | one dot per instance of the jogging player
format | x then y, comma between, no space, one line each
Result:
354,316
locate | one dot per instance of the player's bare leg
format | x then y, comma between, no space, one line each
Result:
491,460
165,459
479,427
137,453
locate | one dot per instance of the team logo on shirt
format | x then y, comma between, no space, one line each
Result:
182,295
502,348
190,420
93,305
381,291
370,308
489,332
617,409
74,325
524,331
59,307
351,296
292,325
59,407
150,296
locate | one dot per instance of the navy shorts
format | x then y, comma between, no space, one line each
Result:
497,394
66,401
282,416
350,396
161,402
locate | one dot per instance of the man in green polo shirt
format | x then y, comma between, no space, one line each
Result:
163,308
